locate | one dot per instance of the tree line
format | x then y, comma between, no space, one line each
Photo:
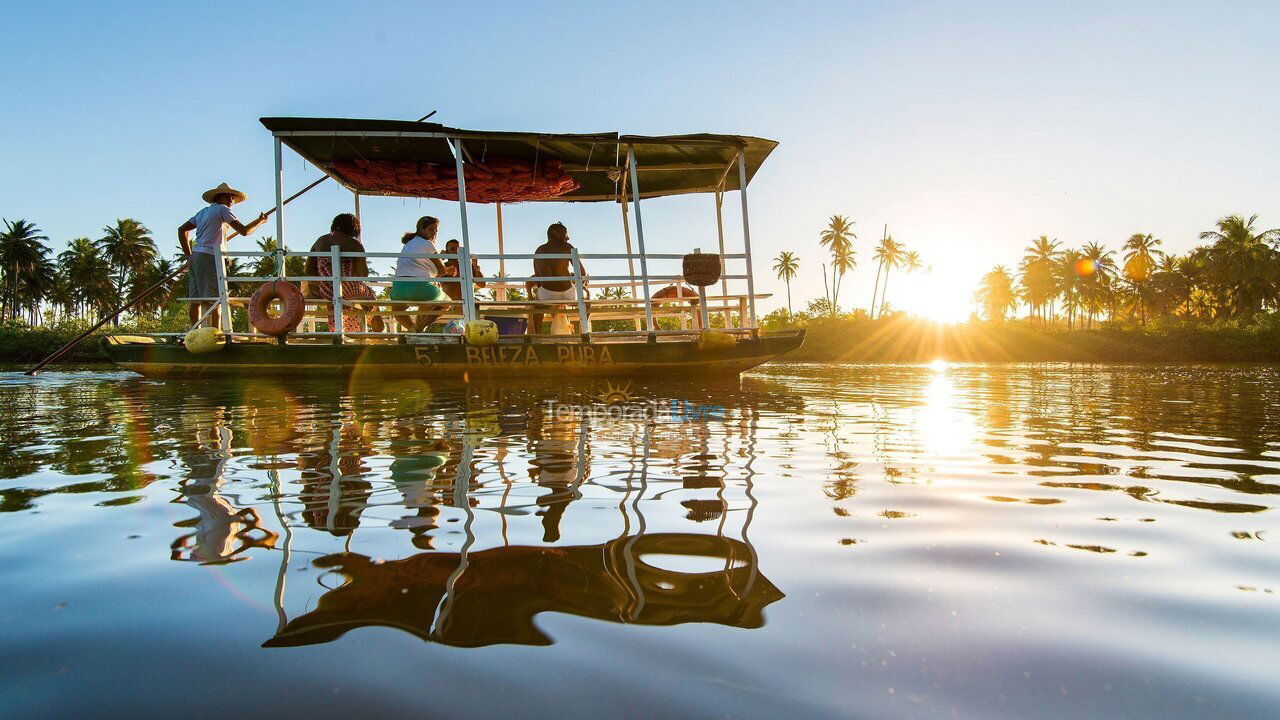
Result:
1235,273
92,277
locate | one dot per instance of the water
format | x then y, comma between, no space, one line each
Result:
973,541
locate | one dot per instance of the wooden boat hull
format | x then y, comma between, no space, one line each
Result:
507,359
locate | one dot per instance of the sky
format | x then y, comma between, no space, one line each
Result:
967,128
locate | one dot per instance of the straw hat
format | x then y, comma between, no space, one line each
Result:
235,194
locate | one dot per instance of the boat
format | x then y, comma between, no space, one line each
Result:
633,325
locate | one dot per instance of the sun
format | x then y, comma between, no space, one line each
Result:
614,395
942,291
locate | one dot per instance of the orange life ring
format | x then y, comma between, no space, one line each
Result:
292,307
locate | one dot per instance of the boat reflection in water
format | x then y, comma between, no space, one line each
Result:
492,596
479,483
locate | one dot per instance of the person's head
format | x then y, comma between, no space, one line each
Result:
426,228
558,232
347,224
224,199
451,246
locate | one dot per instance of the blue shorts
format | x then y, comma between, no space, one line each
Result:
202,276
421,291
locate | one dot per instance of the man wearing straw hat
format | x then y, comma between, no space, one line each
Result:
210,226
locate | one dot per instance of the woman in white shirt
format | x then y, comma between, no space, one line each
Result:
419,242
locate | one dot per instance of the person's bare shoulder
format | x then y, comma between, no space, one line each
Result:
544,248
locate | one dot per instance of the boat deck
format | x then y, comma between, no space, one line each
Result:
510,357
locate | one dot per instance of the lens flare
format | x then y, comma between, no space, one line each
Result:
1085,267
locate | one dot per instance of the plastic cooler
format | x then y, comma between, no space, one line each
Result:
509,325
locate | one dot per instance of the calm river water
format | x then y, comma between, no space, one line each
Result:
973,541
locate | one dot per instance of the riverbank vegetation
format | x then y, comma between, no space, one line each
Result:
1218,301
896,337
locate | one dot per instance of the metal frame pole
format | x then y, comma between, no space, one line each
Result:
222,300
357,205
500,291
644,264
584,322
280,197
626,233
464,263
746,234
724,284
335,266
703,313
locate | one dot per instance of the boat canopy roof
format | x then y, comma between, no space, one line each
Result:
389,157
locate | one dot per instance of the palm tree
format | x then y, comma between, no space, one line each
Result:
786,265
1194,267
1243,262
996,293
1097,271
890,253
841,263
37,285
154,273
130,250
1039,279
266,266
86,272
911,261
878,256
1067,278
1140,259
837,238
21,251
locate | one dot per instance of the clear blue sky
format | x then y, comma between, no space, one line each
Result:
968,127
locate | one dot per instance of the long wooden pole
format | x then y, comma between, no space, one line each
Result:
164,281
144,294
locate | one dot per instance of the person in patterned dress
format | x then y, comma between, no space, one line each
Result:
344,232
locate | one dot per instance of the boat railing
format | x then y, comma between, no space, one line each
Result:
693,314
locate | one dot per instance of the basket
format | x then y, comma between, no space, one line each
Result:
701,269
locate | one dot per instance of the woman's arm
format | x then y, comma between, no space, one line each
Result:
361,265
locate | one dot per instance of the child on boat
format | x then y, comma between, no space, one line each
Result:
451,269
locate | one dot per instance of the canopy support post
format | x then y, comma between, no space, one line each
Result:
500,292
357,196
464,263
584,323
724,284
746,235
335,267
280,196
626,234
644,263
223,301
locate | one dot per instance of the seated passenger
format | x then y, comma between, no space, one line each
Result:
553,290
422,241
454,290
345,234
